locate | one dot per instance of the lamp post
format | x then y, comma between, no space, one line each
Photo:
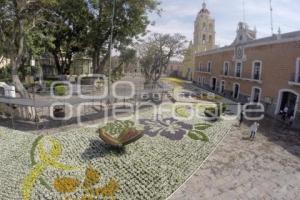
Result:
110,49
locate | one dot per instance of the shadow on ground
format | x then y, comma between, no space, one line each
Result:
98,149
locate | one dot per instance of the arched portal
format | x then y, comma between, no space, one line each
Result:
287,98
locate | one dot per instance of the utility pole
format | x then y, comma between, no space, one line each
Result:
244,12
110,49
271,17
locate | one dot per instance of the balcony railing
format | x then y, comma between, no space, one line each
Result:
242,76
203,69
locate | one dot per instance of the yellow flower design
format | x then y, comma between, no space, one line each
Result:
66,185
47,159
92,177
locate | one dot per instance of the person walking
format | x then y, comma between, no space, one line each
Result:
253,130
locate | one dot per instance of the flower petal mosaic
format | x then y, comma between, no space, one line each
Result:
77,164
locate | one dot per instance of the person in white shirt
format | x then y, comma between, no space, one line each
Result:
285,113
253,129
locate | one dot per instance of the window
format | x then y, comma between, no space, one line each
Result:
236,91
199,68
298,71
204,39
214,84
255,96
209,67
222,88
238,69
256,70
226,69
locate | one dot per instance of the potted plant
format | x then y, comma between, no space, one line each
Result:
127,136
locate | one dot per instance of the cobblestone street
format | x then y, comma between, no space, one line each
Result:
267,168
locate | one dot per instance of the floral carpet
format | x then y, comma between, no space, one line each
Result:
78,165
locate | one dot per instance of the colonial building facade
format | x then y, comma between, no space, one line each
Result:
265,70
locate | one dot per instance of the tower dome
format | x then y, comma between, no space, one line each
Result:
204,9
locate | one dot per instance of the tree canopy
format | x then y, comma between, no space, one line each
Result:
19,32
130,20
156,52
29,29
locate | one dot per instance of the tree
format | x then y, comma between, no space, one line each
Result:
67,22
18,19
127,57
130,20
156,53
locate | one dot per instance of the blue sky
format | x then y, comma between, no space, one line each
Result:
178,16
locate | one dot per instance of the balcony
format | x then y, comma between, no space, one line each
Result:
203,70
243,77
294,80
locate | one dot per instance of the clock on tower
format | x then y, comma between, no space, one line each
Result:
239,53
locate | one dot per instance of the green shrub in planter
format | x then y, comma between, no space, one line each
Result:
60,90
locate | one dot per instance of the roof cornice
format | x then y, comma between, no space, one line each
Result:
256,44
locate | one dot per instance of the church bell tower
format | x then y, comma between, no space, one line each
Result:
204,31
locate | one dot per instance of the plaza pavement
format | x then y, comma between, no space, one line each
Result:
267,168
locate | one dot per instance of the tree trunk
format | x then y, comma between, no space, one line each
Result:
18,84
147,74
17,61
101,64
26,112
57,63
96,55
68,63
